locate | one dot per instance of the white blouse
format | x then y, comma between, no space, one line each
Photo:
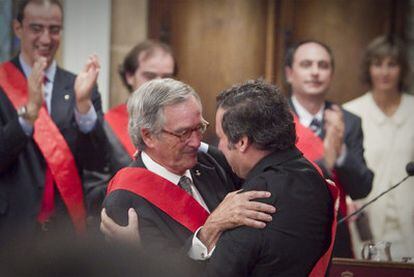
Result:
389,146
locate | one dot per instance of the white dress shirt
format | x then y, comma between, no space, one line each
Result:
198,250
305,118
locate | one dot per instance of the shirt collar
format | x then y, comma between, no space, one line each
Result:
305,117
158,169
49,72
399,117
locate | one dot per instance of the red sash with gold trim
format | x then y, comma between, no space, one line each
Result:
117,118
52,145
165,195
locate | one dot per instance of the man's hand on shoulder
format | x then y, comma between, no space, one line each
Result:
115,232
236,210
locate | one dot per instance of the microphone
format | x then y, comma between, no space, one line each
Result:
409,168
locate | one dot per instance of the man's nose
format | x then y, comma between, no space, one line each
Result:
384,69
315,69
45,37
195,139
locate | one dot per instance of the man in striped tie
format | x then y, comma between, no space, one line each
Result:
327,134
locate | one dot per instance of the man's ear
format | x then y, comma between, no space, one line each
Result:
148,137
288,74
17,28
243,144
129,79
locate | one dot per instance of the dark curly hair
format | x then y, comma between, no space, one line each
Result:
259,111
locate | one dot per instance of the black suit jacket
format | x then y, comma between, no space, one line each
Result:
159,232
119,155
355,177
22,166
96,182
299,233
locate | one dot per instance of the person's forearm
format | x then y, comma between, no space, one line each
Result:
209,235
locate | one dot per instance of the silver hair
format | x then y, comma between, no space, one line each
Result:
146,106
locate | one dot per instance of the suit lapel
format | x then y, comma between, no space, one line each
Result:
62,95
328,105
292,107
62,98
16,62
206,181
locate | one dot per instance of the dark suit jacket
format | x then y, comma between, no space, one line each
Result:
97,181
119,155
159,232
355,177
297,236
21,164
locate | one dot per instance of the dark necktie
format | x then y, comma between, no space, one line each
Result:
185,184
316,126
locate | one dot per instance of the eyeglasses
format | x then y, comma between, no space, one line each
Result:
186,134
38,29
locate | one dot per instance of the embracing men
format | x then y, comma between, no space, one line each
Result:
257,136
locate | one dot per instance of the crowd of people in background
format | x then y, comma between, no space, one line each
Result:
258,203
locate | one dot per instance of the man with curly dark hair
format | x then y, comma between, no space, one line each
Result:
257,136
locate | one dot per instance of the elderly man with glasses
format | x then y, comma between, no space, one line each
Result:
175,188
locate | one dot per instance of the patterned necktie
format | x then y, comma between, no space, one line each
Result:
185,184
316,126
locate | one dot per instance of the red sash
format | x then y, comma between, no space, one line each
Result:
52,145
312,148
165,195
117,118
310,144
322,264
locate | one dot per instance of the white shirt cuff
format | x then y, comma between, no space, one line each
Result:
341,159
198,250
87,121
203,147
26,126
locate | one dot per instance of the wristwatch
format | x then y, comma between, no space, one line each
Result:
24,113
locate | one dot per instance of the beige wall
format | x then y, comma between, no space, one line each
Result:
128,27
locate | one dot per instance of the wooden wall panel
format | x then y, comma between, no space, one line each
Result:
217,43
129,27
222,42
347,26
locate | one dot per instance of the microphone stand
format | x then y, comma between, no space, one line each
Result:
357,212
